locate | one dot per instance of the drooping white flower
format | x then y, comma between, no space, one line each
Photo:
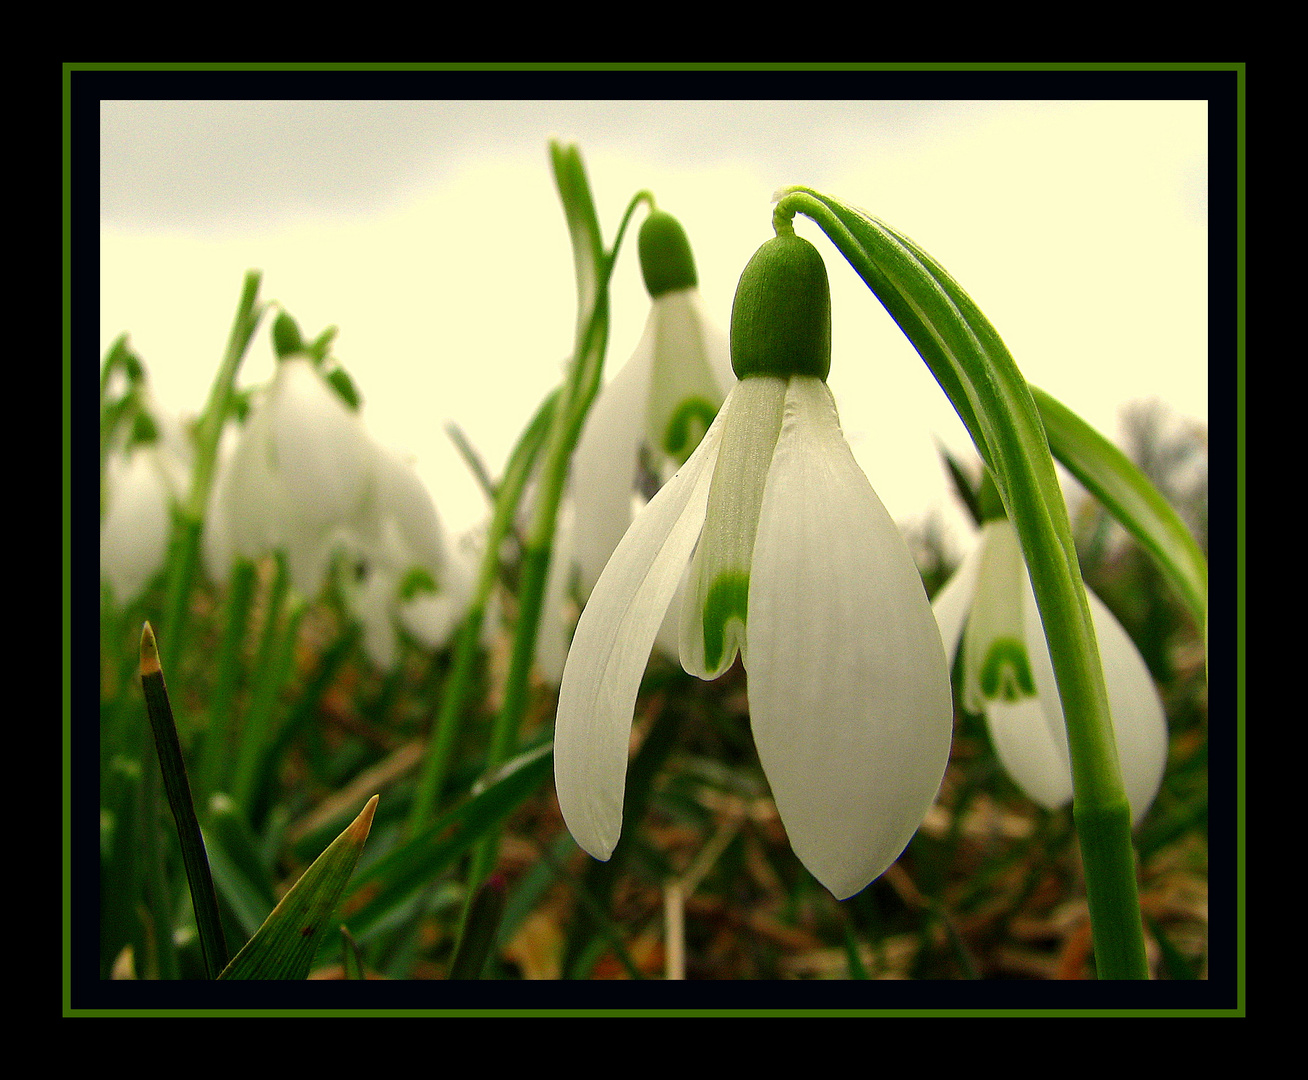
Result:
988,609
789,558
301,472
407,574
142,482
135,529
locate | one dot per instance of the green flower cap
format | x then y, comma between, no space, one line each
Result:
286,336
665,258
781,317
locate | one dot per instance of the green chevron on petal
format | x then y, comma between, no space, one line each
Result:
728,598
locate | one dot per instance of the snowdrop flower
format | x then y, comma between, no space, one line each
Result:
301,471
653,413
408,575
142,481
789,558
988,608
138,518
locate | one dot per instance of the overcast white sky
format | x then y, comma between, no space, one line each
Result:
430,233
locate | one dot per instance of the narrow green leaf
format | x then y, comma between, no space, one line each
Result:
583,225
1126,492
285,945
178,789
184,554
351,956
472,459
238,871
455,703
962,485
480,931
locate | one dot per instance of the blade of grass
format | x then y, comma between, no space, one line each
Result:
1126,492
483,926
178,789
284,947
459,685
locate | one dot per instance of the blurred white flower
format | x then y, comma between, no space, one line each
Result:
134,532
301,472
407,573
142,482
988,609
304,477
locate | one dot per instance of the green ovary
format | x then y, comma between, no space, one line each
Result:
728,598
1005,673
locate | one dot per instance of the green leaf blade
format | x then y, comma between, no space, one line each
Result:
1126,492
286,944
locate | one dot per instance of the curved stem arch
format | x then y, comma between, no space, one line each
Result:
977,373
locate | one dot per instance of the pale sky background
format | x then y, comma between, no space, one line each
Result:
431,234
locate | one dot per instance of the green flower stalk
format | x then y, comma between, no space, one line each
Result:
973,366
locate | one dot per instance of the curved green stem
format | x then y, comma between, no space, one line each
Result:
975,370
184,556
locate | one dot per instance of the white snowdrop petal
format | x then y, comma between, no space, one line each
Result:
611,648
848,686
954,600
253,502
400,497
1139,725
372,606
685,390
995,664
717,347
715,604
321,454
1021,735
432,619
604,462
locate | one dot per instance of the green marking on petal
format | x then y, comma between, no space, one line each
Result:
1005,672
728,598
416,582
687,427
